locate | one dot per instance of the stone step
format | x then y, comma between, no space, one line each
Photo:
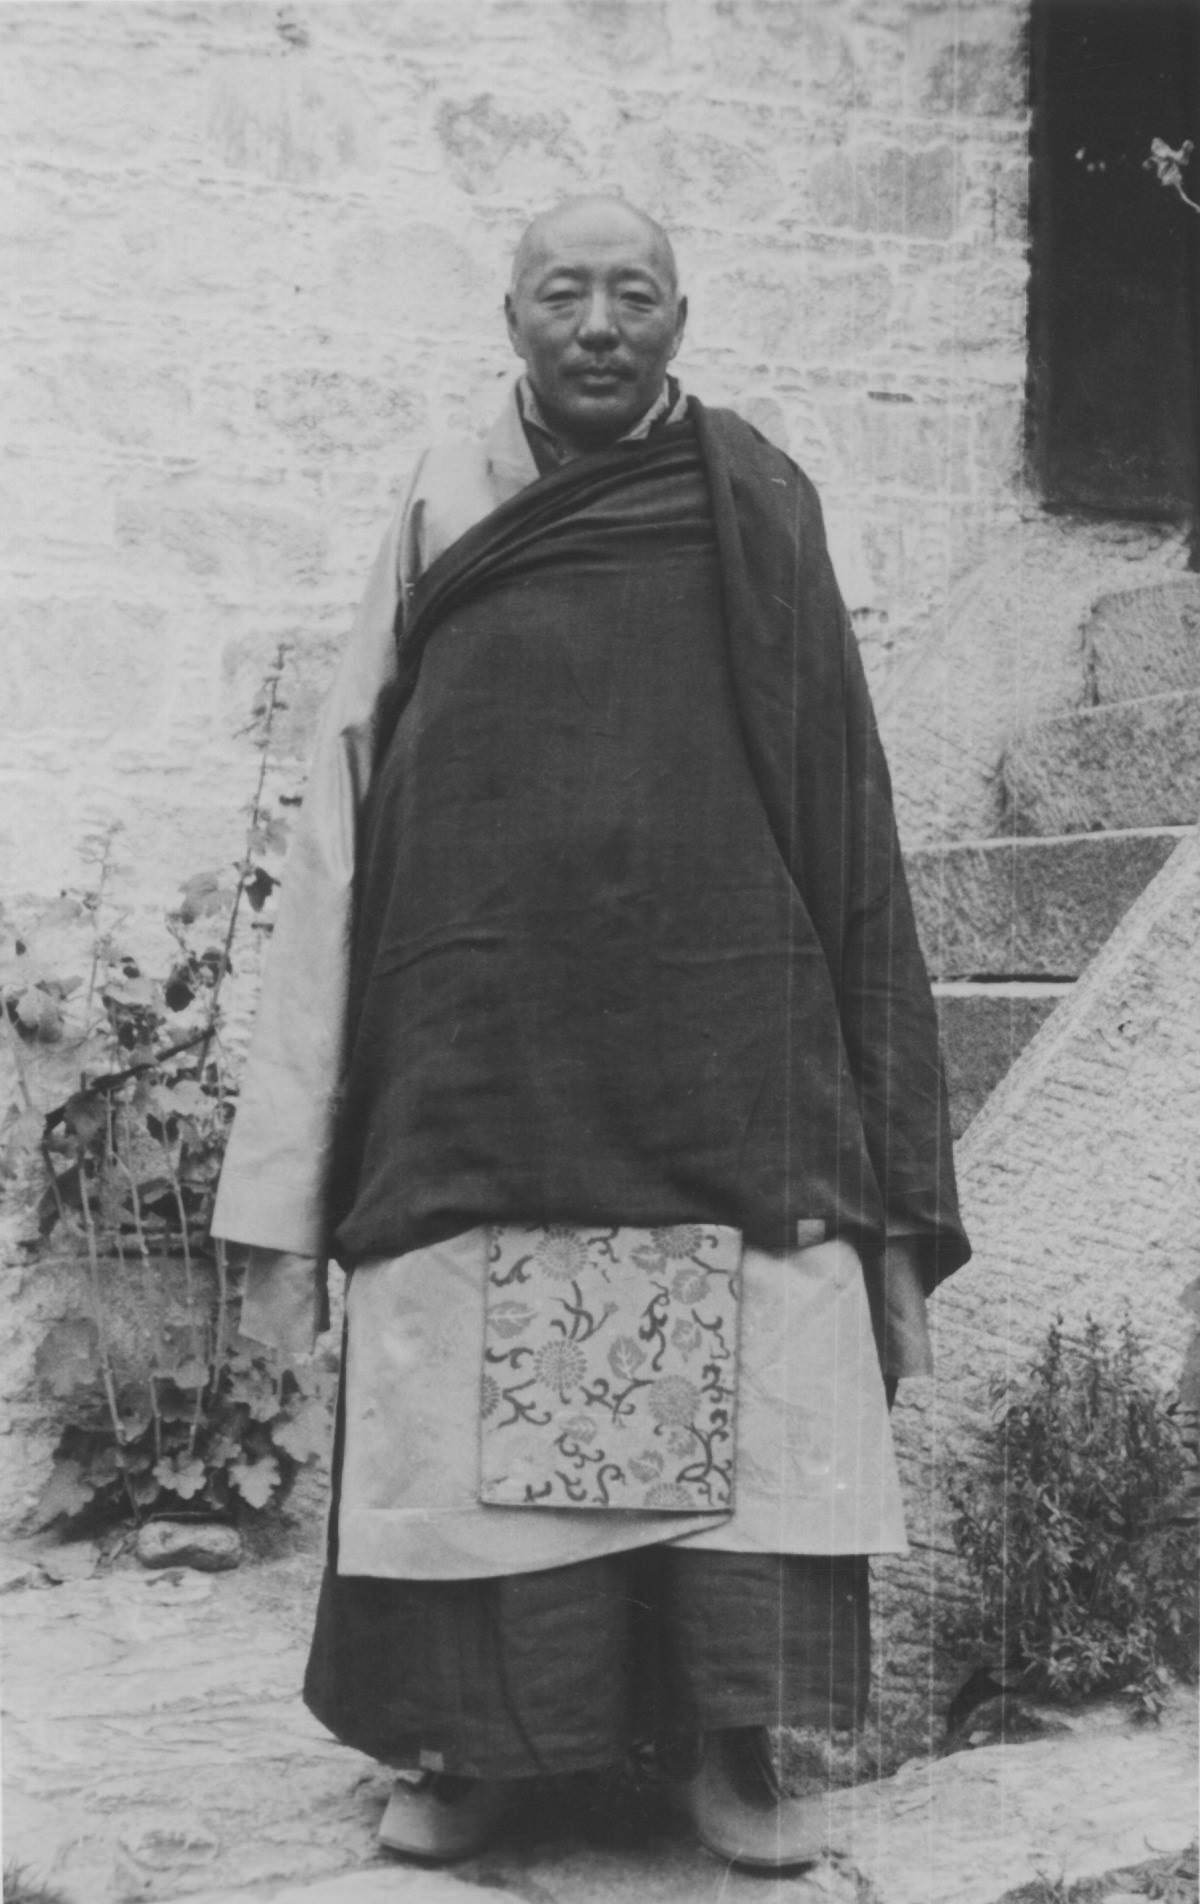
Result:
1030,908
1118,765
1144,640
984,1026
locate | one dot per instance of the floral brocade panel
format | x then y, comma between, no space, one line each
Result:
610,1368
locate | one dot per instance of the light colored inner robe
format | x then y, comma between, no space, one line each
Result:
815,1469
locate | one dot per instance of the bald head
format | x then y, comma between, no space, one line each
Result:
600,215
595,312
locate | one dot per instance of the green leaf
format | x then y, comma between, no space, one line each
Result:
203,894
184,1477
253,1384
39,1016
509,1318
191,1374
306,1435
66,1493
20,1136
187,1097
625,1357
67,1358
255,1481
258,886
269,834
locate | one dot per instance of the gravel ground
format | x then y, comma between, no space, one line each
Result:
156,1748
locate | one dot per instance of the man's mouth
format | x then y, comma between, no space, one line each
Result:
600,374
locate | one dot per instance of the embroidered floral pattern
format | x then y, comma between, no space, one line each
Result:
560,1365
561,1253
668,1494
683,1239
610,1380
689,1285
673,1401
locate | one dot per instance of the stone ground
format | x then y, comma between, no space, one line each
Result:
156,1748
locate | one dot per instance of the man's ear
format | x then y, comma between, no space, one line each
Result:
681,313
510,318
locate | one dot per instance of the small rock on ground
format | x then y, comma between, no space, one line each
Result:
59,1561
199,1544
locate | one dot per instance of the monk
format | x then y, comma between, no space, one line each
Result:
596,1047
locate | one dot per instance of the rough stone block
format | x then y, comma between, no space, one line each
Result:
288,120
890,438
795,313
1145,640
489,147
207,1547
1022,908
613,38
93,86
83,667
905,549
1125,764
327,411
1010,202
117,396
888,188
38,834
999,443
683,172
413,277
984,1028
604,40
227,545
418,29
970,306
778,46
971,65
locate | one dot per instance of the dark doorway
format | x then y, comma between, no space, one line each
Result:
1115,294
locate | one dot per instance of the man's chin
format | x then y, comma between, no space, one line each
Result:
597,417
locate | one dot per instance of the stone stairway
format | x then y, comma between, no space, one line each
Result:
1094,802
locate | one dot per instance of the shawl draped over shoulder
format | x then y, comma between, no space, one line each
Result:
632,938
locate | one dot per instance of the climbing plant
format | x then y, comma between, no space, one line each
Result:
113,1141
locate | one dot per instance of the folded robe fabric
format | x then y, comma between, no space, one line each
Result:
633,940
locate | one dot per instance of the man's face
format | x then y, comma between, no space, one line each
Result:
596,316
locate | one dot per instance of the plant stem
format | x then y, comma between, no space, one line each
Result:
266,723
153,1305
189,1282
106,1369
222,1303
94,909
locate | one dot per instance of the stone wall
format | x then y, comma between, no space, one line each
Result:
255,258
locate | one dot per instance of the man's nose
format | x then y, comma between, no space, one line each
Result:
599,324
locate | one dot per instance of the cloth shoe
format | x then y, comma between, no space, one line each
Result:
441,1816
739,1809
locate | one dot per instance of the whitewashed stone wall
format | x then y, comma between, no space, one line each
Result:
255,259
